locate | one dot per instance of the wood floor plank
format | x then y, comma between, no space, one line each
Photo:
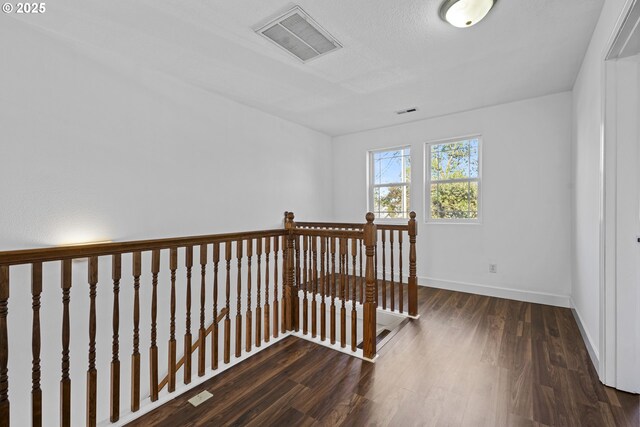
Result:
544,405
277,409
469,360
554,342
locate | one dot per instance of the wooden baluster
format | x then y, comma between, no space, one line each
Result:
369,321
153,349
314,287
267,319
361,245
258,293
401,290
173,265
276,303
298,246
413,279
92,373
214,336
306,276
327,270
249,315
354,314
341,272
202,331
116,275
135,355
239,252
4,346
343,292
65,382
227,320
283,300
188,263
323,283
384,270
375,260
333,291
295,286
36,391
392,291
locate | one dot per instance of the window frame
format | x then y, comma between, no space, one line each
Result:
427,181
371,186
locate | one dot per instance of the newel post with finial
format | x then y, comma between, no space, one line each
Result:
369,322
413,278
290,293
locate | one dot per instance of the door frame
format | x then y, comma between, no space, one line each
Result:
608,331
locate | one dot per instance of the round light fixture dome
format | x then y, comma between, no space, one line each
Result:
465,13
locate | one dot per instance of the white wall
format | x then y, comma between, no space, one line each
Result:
94,148
586,158
525,198
111,151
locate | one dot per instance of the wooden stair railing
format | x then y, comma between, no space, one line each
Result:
390,288
312,265
114,252
310,278
331,281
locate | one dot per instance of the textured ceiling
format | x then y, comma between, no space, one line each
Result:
397,54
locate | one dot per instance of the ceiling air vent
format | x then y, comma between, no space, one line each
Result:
410,110
297,33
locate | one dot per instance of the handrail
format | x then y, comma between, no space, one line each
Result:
58,253
316,224
319,232
382,226
345,225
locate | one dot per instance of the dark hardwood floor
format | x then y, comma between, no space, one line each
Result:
468,361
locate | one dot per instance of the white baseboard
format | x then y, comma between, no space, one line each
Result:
495,291
588,341
336,347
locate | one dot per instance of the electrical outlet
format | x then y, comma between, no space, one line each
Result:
493,268
200,398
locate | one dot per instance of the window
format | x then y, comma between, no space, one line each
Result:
453,180
390,182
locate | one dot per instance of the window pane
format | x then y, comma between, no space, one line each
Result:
454,200
391,167
376,200
435,202
379,155
473,200
407,166
390,202
388,170
457,160
474,158
407,197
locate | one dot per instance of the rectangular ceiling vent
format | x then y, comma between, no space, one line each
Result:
297,33
410,110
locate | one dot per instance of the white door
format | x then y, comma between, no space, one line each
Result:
628,224
620,296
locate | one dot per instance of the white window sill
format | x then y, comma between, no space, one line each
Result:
391,221
436,222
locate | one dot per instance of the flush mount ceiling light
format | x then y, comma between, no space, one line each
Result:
465,13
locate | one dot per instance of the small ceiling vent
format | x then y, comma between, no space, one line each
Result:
297,33
410,110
